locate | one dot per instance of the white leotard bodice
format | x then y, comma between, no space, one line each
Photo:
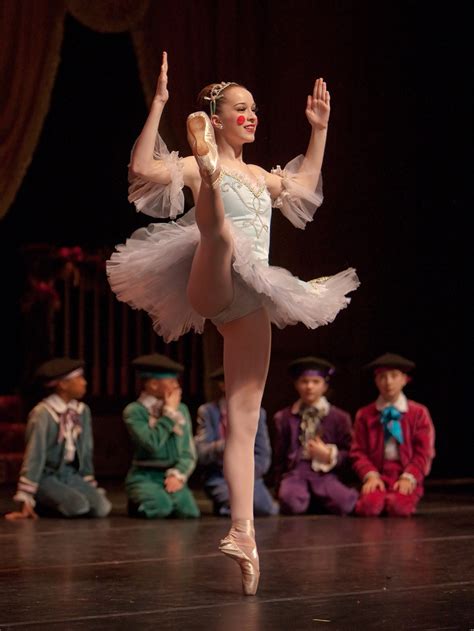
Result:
249,207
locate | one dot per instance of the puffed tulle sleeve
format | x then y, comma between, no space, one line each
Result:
297,202
159,200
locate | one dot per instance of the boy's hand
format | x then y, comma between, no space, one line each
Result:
373,483
173,484
172,397
317,449
27,512
404,486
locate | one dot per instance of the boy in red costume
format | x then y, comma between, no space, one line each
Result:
393,444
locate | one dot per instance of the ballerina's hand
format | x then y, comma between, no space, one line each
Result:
318,105
162,94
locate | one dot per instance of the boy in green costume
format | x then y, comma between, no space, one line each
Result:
164,455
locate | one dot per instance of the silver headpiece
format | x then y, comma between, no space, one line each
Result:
216,94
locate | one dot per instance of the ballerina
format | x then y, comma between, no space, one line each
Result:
213,262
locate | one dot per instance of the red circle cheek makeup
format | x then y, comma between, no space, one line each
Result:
240,120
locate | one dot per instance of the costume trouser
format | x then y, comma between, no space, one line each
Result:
263,502
301,484
147,494
66,492
392,502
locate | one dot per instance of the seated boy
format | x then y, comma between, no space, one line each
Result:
57,471
312,442
164,455
393,445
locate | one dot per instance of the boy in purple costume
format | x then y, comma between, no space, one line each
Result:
313,439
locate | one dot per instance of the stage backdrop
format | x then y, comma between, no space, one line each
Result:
95,65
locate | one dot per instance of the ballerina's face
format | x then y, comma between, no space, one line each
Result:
236,119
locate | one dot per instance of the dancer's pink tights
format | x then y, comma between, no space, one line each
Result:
247,343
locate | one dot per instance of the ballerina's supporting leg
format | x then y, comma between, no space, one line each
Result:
247,343
246,358
210,286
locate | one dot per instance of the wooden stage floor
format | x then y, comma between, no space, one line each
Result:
318,572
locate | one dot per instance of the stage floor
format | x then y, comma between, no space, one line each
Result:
318,572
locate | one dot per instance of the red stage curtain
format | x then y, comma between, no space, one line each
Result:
30,34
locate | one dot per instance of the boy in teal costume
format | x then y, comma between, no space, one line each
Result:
57,471
164,455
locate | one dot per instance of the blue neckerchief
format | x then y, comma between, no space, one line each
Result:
390,419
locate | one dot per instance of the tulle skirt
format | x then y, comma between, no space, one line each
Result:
151,270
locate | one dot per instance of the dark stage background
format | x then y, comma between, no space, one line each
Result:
393,175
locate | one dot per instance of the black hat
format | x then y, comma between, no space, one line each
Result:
217,375
58,368
390,360
156,366
312,365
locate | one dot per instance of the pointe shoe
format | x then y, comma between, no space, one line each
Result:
203,145
240,546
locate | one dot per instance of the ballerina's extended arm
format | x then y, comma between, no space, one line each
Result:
157,176
297,189
317,113
143,163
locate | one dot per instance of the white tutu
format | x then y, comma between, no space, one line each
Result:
151,270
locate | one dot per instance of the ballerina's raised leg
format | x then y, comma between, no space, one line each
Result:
246,351
210,286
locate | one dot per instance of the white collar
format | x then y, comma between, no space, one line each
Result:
322,405
401,403
57,406
60,406
149,401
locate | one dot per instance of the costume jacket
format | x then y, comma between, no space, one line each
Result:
56,433
416,452
335,431
161,441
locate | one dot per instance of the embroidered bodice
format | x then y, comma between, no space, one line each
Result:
248,204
